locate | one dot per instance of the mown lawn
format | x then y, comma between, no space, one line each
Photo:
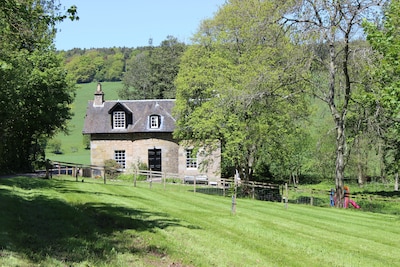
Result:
61,222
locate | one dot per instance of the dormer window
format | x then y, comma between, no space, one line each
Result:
121,116
119,119
154,121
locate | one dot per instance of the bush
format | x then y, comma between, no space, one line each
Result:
55,146
111,168
139,165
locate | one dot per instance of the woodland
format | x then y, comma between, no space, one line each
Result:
294,90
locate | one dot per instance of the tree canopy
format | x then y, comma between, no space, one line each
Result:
333,24
238,83
36,91
385,40
151,72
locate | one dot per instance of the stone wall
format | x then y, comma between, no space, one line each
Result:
173,156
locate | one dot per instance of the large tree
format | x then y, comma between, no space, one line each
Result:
385,39
333,24
151,72
36,92
238,83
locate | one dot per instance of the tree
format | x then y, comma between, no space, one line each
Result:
114,66
136,80
385,41
165,61
36,92
55,146
87,67
333,24
151,72
238,84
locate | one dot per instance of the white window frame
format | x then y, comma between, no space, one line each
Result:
154,122
191,162
120,158
119,120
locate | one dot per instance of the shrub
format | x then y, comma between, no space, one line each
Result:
111,168
55,146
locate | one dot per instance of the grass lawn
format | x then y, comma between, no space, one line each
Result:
72,144
61,222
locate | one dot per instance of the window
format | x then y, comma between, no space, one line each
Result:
119,119
119,156
191,159
154,121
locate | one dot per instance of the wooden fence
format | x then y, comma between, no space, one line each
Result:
199,183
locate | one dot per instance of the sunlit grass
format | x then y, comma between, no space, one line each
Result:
61,222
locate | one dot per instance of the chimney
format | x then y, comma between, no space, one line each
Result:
98,96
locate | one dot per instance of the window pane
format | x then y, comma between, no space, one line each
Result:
154,121
119,119
191,159
119,156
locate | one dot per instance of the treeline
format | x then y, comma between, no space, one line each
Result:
146,72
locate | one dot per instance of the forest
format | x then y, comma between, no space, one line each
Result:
147,72
294,90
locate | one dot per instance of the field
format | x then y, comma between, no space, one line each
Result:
61,222
72,147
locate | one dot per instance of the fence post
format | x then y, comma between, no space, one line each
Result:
135,177
74,172
104,175
164,177
312,198
235,192
151,179
194,184
286,195
223,186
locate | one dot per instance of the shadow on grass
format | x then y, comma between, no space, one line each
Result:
383,193
42,227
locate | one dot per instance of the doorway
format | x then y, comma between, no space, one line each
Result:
154,156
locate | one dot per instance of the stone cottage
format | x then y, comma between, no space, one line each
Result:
136,132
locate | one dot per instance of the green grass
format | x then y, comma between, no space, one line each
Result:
72,144
61,222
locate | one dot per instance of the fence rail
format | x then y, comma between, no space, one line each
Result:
223,187
200,183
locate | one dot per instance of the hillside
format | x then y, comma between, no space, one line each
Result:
72,147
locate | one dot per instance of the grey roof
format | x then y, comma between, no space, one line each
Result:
98,119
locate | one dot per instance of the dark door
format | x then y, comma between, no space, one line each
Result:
155,159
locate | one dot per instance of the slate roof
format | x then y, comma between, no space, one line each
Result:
98,119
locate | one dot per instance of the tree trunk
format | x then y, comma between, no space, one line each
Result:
360,163
339,119
340,150
396,182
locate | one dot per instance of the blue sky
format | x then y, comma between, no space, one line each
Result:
131,23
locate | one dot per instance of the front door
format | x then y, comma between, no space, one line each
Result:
155,159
